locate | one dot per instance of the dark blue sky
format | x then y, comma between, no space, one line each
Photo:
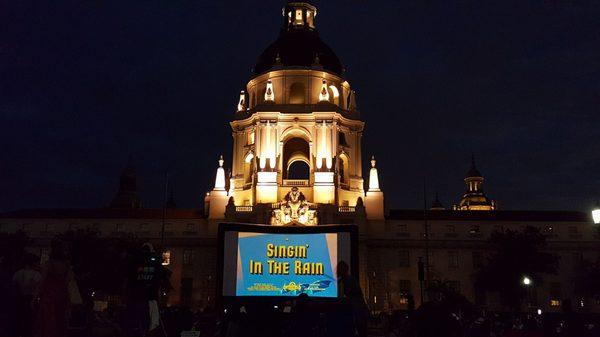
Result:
85,84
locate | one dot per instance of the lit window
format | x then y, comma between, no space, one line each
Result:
166,258
298,20
554,303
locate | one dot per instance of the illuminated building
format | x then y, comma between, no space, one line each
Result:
297,127
297,159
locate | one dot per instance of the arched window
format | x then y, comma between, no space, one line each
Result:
297,93
296,150
298,170
334,95
248,168
343,168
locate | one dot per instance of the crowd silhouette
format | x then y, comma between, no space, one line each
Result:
43,300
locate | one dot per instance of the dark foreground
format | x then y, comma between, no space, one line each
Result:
257,321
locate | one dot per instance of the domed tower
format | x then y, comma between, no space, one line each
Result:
474,198
127,196
297,126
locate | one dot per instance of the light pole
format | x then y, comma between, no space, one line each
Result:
527,282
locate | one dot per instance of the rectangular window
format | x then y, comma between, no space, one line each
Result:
403,258
188,256
554,302
450,231
573,230
44,255
119,227
453,260
402,228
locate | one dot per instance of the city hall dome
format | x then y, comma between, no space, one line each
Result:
298,44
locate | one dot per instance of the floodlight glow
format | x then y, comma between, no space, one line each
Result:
596,213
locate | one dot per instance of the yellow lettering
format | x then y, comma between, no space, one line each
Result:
270,250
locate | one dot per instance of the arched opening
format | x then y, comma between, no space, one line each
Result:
296,162
343,168
298,170
297,93
334,95
248,168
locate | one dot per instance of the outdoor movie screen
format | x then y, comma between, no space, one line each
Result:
283,264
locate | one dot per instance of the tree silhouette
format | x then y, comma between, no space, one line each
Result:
99,263
515,254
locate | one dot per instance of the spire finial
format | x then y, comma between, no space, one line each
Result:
373,161
221,161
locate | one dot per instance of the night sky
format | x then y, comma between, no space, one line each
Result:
86,84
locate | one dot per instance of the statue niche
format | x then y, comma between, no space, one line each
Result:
294,210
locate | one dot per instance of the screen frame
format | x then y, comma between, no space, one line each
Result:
238,227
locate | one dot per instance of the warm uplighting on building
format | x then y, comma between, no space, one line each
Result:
596,213
242,102
373,176
269,93
324,95
220,179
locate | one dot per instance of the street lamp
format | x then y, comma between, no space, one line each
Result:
596,213
526,281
